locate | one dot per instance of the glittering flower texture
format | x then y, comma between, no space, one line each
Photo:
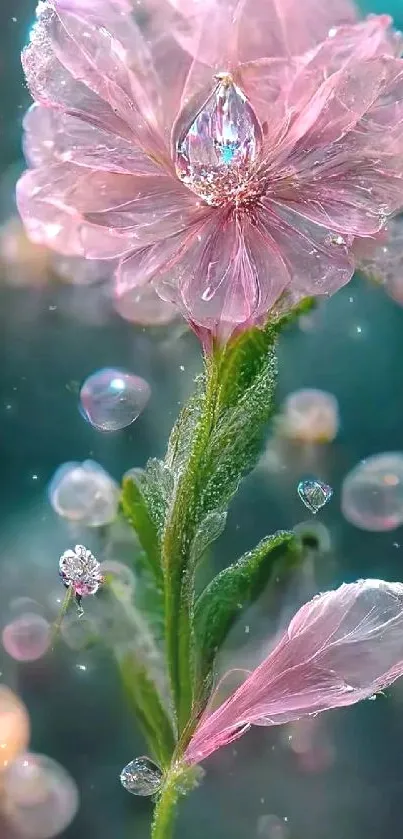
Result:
341,647
230,152
80,570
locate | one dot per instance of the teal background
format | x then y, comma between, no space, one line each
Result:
50,340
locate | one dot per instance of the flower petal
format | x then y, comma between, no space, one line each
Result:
75,64
340,648
225,275
317,261
53,136
42,198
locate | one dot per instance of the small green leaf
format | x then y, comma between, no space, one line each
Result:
209,530
238,586
147,705
136,510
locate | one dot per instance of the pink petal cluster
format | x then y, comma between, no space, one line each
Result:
341,647
304,102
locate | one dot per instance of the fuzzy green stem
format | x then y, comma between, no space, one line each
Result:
178,783
177,542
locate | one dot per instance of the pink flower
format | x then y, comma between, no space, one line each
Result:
232,153
340,648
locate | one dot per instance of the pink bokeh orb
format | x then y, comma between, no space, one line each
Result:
26,638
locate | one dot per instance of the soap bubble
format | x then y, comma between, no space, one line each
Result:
141,777
372,493
311,416
121,576
271,827
112,399
14,727
85,493
144,306
26,638
41,799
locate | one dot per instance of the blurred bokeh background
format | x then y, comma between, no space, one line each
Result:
340,775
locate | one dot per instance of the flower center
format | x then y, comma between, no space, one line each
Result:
216,152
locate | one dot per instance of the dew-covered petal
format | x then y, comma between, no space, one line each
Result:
226,274
341,647
45,199
272,28
317,262
78,64
52,136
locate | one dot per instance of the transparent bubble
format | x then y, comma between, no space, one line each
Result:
311,416
121,577
41,799
14,727
314,494
145,307
372,493
112,399
271,827
313,535
141,777
77,632
26,638
84,492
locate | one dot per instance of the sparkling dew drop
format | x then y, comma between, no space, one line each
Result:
216,151
314,494
141,777
112,399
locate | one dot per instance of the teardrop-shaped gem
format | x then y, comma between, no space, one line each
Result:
215,153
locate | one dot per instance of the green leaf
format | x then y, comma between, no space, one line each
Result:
146,703
209,530
236,587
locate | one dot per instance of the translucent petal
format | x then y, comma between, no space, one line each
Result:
53,136
341,647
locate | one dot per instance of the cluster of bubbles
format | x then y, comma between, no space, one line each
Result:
372,493
39,798
111,399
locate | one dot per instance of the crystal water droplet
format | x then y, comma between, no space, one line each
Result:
215,152
141,777
112,399
314,494
372,493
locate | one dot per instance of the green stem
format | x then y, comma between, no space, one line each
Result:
177,542
178,783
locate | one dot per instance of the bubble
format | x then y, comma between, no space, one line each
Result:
313,536
372,493
41,799
141,777
271,827
112,399
26,638
14,727
145,307
84,492
77,632
314,494
121,576
311,416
